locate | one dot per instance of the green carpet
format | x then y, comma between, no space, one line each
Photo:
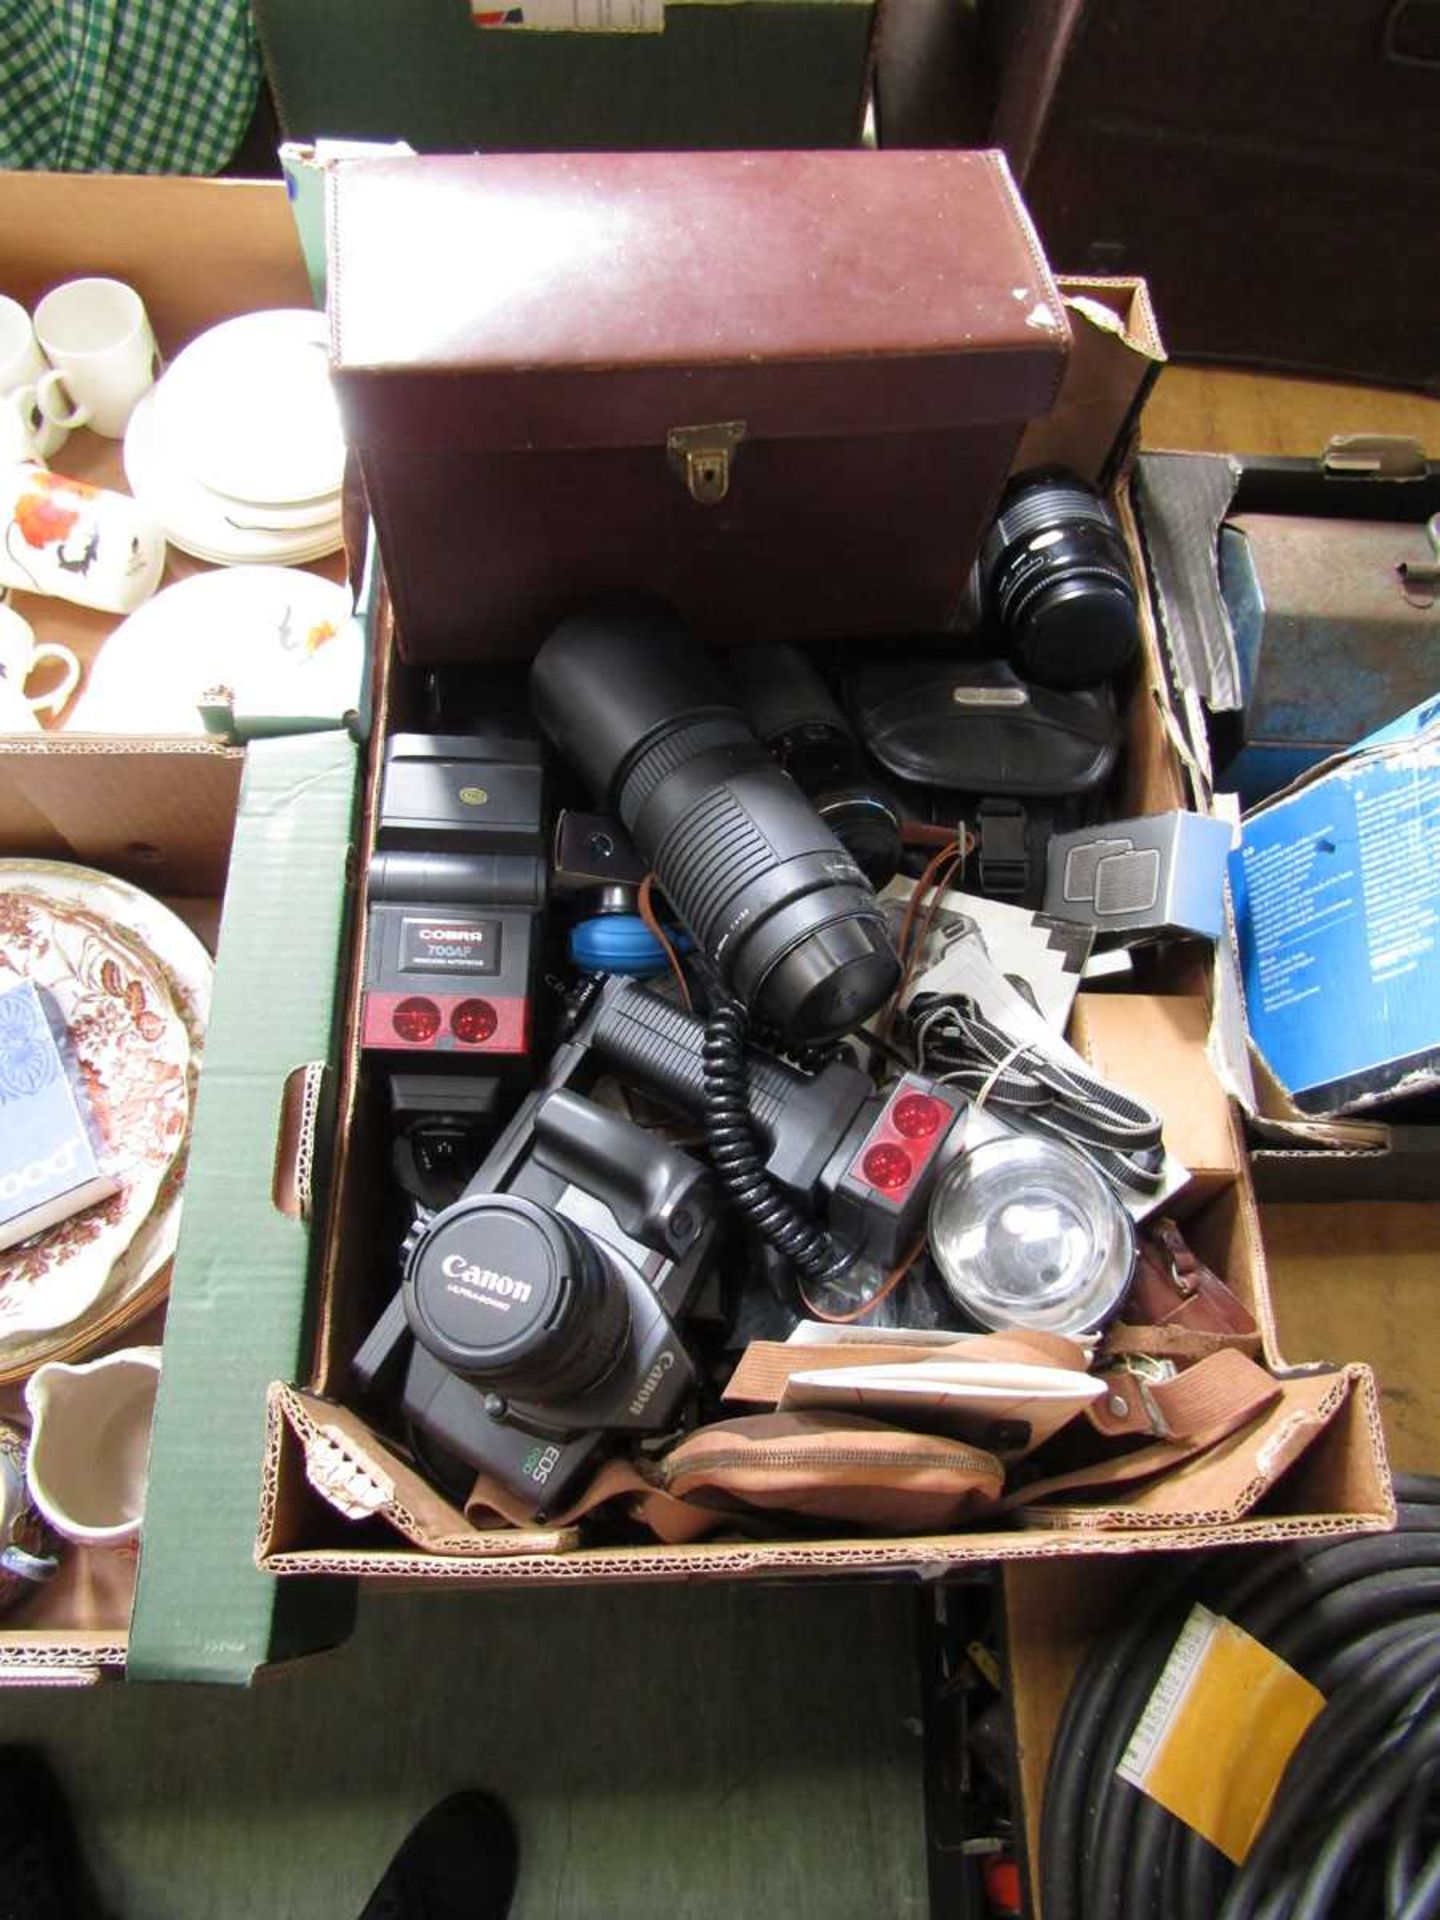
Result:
683,1752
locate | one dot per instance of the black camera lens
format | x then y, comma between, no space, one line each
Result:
516,1299
793,715
773,901
1056,578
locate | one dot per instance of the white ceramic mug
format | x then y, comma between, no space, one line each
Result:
32,394
76,542
96,334
90,1443
21,654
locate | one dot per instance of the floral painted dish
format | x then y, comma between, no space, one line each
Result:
131,1050
139,1278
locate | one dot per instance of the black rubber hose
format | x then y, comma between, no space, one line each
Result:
1339,1667
1150,1853
1082,1724
736,1158
1339,1741
1349,1610
1342,1566
1350,1821
1355,1825
1417,1489
1424,1901
1402,1858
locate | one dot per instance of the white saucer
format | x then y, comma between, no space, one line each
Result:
247,625
197,520
249,411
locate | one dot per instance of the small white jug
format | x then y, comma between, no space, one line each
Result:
90,1443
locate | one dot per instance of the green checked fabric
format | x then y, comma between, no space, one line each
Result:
125,86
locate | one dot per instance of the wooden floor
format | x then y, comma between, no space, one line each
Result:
1211,410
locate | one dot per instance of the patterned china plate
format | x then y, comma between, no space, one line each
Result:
133,1050
138,1279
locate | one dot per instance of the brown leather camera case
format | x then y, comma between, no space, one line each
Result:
782,390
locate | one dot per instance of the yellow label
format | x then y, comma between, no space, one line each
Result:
1218,1731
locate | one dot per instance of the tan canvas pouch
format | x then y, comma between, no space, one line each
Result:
832,1468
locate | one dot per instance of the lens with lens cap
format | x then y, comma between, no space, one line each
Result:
515,1298
1056,575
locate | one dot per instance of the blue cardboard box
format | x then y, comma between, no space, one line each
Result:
1336,888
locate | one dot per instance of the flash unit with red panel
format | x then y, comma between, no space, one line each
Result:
885,1177
457,883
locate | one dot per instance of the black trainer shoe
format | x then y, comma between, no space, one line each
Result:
457,1863
43,1875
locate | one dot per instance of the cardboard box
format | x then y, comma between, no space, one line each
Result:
1182,500
251,848
196,825
1336,887
449,75
337,1500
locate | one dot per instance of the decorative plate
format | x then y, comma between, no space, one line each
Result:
138,1279
132,1051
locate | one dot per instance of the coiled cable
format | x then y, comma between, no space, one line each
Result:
736,1158
1354,1826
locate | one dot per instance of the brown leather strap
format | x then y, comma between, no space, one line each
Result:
1173,1343
1174,1288
1206,1401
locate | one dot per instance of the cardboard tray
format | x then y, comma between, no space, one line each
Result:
198,826
251,848
322,1461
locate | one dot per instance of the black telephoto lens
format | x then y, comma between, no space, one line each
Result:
1056,577
790,708
774,903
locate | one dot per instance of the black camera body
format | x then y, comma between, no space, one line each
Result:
536,1317
456,885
